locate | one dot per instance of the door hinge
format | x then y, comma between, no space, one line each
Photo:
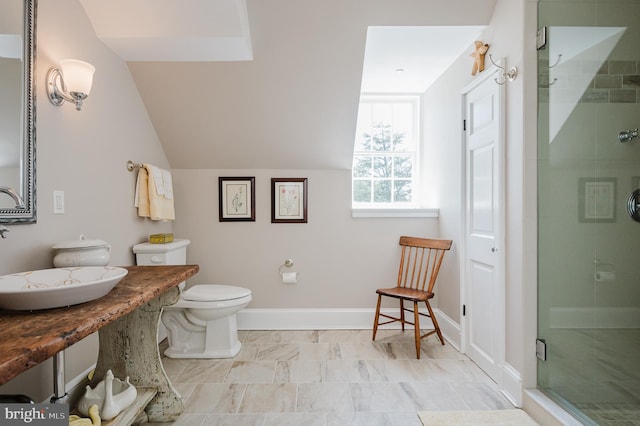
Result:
464,310
541,38
541,349
464,125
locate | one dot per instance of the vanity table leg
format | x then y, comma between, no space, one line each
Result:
129,347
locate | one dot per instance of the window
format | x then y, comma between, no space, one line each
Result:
385,159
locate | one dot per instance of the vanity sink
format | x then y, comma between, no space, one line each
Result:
53,288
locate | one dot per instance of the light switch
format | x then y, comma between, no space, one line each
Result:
58,202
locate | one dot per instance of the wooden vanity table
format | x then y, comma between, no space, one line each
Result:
126,320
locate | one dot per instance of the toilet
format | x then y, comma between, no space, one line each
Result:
202,323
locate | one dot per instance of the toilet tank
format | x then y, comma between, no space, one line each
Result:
173,253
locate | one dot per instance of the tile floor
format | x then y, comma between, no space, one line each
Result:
612,414
595,372
329,377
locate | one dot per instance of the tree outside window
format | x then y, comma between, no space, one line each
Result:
384,163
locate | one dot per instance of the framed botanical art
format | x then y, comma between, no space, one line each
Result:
597,200
288,200
236,199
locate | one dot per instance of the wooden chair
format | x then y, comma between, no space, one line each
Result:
419,266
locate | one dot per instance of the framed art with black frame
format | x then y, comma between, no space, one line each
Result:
288,200
237,199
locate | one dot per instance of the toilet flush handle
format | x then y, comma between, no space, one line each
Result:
156,259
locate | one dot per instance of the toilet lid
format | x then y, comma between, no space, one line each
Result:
212,293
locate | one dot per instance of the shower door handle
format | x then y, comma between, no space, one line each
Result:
633,205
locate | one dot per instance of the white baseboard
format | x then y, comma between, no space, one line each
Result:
331,319
512,384
602,317
304,319
450,329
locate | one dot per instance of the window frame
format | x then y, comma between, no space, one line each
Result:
416,191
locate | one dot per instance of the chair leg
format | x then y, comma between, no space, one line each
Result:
416,322
376,319
402,313
435,322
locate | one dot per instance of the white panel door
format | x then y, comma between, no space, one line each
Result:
483,292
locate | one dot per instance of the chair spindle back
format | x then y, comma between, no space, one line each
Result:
420,262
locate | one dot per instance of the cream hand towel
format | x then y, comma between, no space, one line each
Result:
142,193
167,184
160,207
157,173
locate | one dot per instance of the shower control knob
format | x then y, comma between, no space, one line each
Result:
633,205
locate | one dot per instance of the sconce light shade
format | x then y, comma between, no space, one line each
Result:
71,82
78,75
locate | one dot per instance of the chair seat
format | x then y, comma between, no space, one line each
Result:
406,293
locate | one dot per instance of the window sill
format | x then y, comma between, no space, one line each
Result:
391,213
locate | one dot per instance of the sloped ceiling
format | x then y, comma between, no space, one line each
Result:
294,105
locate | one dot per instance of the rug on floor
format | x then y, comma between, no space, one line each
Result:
513,417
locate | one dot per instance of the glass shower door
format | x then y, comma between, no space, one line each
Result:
588,244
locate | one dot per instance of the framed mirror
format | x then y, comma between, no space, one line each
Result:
17,111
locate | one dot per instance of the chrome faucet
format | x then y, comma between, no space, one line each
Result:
16,197
19,205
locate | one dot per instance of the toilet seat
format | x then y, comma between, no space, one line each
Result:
214,293
212,296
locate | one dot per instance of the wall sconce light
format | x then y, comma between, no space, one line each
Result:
71,82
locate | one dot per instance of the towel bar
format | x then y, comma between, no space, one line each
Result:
131,166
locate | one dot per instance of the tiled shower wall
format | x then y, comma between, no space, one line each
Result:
615,82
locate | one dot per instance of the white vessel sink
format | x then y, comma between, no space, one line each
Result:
53,288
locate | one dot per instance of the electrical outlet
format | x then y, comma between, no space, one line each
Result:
58,202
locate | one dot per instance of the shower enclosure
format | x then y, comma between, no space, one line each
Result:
588,219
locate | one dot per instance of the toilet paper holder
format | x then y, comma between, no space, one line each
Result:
288,263
604,272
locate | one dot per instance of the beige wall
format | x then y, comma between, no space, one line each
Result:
84,154
341,260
